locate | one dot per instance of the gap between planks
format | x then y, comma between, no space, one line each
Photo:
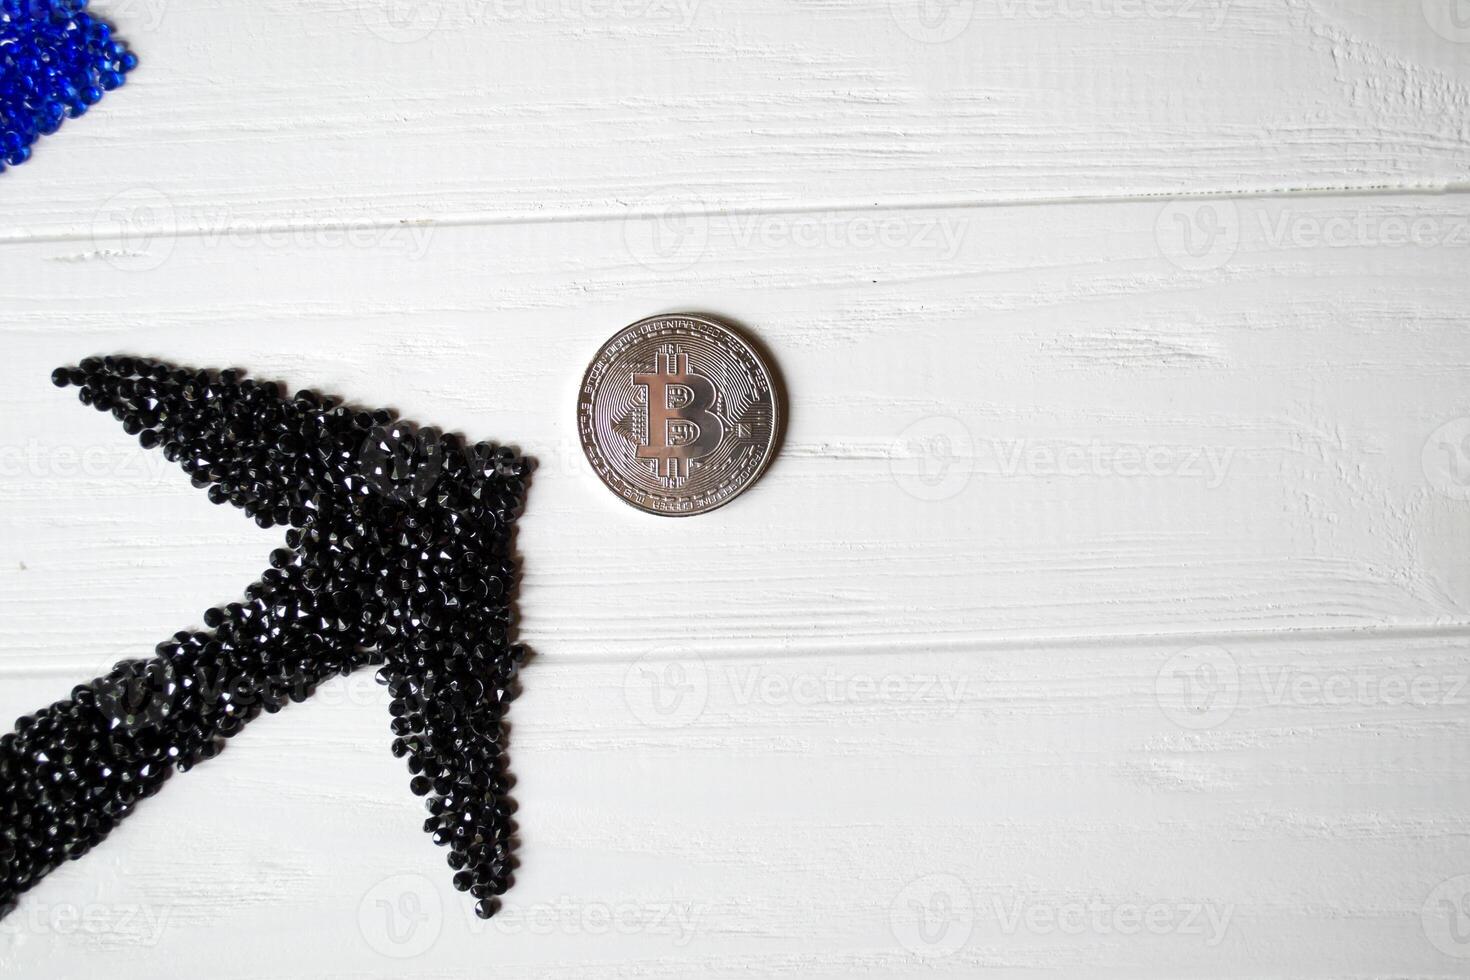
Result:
929,643
594,216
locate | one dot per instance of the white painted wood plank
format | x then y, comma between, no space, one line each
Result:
952,648
1082,808
283,113
1051,429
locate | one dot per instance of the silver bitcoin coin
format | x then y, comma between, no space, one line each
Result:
678,414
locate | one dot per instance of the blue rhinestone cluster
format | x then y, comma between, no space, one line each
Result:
56,61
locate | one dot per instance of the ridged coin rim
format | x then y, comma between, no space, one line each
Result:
778,410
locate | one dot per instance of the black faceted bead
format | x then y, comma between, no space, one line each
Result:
399,555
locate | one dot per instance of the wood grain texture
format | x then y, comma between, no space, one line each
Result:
1207,673
781,817
283,113
1046,430
1105,614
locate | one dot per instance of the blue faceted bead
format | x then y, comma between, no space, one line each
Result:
55,62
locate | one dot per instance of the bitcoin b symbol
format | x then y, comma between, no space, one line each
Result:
678,414
682,425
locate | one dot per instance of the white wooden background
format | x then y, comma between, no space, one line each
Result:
1106,614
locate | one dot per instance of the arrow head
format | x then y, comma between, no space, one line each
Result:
399,553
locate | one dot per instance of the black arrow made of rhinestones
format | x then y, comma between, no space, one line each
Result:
399,554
